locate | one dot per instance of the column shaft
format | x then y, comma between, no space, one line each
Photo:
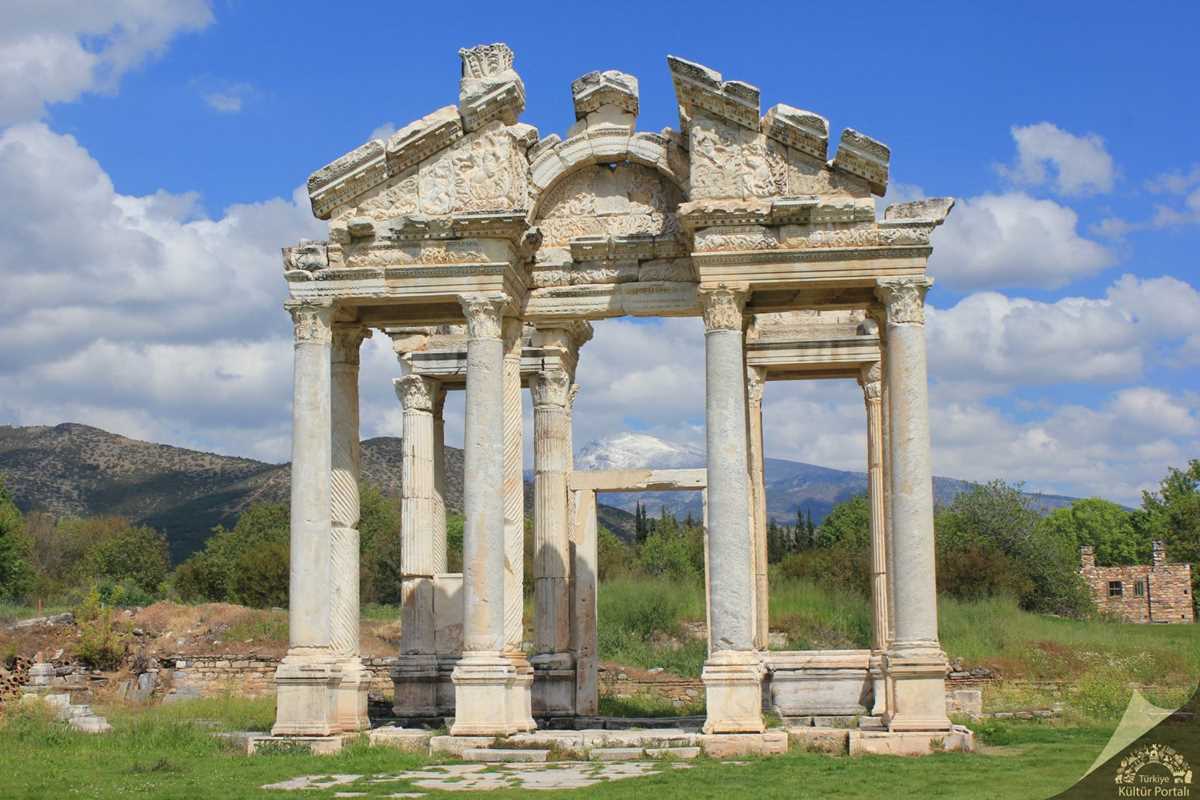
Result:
732,673
870,381
551,440
915,663
417,394
755,383
514,489
439,483
307,678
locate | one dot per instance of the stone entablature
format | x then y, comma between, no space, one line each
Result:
1160,592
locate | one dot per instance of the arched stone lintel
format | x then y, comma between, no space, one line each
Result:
604,146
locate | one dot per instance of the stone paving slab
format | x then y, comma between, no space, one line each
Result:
499,754
482,777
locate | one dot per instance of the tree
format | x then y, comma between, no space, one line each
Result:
245,565
1172,514
849,523
996,518
1104,525
135,554
379,538
15,574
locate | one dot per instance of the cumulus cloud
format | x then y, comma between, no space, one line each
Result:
54,51
989,338
1013,240
1081,165
139,312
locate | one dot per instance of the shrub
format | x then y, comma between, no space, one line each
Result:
102,642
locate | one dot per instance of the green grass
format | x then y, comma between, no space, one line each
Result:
261,626
11,612
168,752
641,624
646,704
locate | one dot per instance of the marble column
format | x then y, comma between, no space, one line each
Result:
755,382
871,382
307,679
733,673
439,483
521,695
344,545
416,671
483,678
915,662
554,686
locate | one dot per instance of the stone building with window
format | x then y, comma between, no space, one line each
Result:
1158,592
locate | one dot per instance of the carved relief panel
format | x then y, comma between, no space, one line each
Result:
620,200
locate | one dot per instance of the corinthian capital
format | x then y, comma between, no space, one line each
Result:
416,392
722,307
347,341
312,321
869,378
904,299
484,313
551,387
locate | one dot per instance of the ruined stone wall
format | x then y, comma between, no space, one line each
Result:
1167,594
249,675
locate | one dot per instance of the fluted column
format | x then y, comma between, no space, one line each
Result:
554,689
870,380
483,678
344,546
915,661
520,698
415,673
732,673
439,483
755,382
307,678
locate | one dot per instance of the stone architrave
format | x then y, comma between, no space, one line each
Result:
484,677
733,673
415,675
915,662
871,381
554,689
309,675
344,547
756,378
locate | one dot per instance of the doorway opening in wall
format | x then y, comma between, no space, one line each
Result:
652,611
638,427
817,513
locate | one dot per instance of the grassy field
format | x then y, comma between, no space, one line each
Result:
645,623
169,752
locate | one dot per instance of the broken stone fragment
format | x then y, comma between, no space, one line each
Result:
595,90
865,157
803,130
930,208
490,88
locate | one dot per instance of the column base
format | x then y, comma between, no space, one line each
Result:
306,695
483,684
917,673
879,685
520,693
351,696
553,684
733,692
415,679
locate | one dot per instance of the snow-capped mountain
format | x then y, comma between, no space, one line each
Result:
637,451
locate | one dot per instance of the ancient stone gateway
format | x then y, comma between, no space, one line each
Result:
483,250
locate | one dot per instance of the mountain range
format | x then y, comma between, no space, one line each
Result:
73,469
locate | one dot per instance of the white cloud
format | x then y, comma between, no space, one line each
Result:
138,313
1174,182
1013,240
54,51
228,99
1081,164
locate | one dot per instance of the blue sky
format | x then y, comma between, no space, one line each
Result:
150,158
